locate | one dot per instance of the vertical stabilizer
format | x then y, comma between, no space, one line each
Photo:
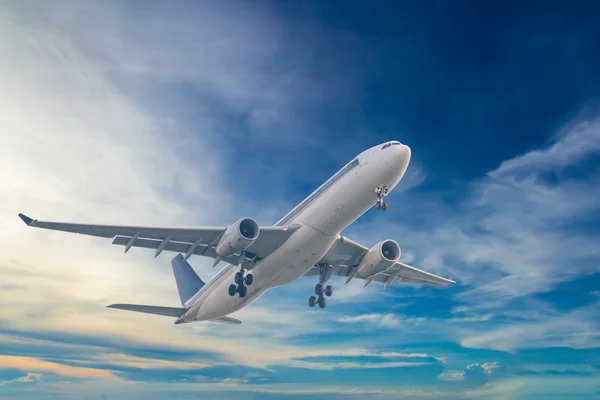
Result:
188,283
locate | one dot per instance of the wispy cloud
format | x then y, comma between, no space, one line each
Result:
30,377
37,365
168,115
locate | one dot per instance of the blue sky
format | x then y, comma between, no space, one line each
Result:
194,113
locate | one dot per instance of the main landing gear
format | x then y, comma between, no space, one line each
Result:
241,282
321,291
381,192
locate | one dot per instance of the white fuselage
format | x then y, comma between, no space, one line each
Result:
321,216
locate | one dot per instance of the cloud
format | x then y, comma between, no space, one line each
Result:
576,328
452,375
123,360
387,321
96,130
30,377
512,236
329,366
146,117
361,359
37,365
577,142
475,374
365,353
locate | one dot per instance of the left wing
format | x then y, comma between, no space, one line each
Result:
186,240
345,255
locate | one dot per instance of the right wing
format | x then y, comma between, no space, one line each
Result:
186,240
345,255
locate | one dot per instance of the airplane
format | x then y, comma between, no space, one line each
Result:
307,241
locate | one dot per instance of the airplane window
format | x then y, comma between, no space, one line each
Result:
395,143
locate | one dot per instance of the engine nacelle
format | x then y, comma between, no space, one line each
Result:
379,258
238,237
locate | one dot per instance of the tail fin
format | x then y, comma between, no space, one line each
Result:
188,283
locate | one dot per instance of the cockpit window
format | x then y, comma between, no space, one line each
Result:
395,143
385,146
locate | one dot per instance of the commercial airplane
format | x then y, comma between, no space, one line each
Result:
305,242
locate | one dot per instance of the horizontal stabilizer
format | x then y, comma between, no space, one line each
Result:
227,320
166,311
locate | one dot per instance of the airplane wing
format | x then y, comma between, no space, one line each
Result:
186,240
345,255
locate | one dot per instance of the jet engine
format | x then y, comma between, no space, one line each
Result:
238,237
379,258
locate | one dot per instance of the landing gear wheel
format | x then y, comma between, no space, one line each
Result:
249,279
312,300
319,289
328,290
232,290
243,291
381,192
322,302
239,277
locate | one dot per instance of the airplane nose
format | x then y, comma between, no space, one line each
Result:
402,156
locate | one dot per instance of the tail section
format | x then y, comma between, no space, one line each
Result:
188,283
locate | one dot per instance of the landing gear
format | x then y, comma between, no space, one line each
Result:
319,289
232,290
322,302
239,277
241,282
325,273
381,192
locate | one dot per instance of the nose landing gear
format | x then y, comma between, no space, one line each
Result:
381,192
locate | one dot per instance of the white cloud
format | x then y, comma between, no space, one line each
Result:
489,368
380,320
452,375
87,135
578,141
30,377
577,328
328,366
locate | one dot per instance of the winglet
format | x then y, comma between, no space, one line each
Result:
26,219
